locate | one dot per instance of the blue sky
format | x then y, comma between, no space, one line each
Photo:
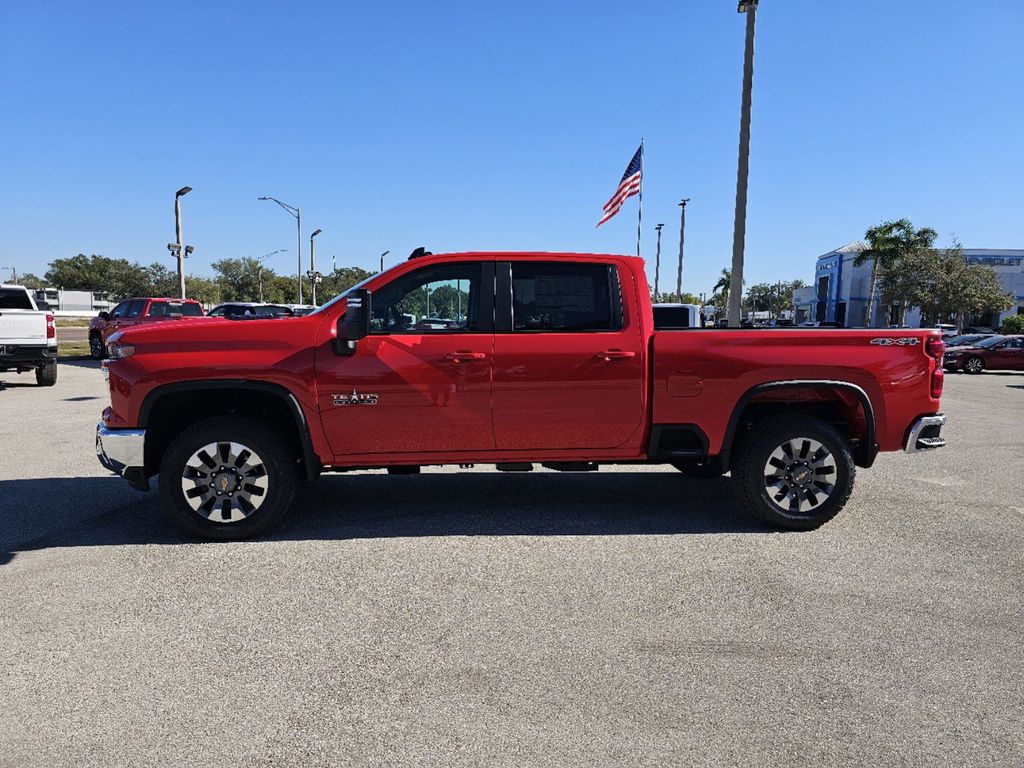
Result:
468,125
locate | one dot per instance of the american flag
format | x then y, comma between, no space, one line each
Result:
629,186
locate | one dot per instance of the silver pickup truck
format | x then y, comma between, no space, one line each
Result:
28,336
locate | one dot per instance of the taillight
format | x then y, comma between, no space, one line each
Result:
936,347
51,327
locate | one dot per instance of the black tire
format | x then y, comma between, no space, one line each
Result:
278,479
974,365
766,445
46,375
700,469
96,349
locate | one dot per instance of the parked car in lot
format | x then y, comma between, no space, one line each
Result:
677,316
133,312
251,310
28,336
966,339
552,359
996,353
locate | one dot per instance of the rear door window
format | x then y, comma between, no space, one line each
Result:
565,298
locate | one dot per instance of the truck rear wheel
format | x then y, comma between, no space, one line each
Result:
46,375
794,473
227,478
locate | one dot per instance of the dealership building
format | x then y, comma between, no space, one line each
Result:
840,290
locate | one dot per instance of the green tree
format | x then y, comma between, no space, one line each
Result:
120,278
889,243
339,281
239,279
1013,324
162,281
670,298
202,289
31,282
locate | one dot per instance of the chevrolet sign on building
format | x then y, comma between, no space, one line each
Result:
840,290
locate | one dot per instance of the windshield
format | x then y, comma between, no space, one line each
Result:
991,341
343,294
959,341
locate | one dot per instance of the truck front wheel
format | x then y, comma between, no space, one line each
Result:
227,478
96,348
794,473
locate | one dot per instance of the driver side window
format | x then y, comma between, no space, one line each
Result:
443,298
120,310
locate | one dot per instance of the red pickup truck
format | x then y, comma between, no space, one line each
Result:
511,359
132,312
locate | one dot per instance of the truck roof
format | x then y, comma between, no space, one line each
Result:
531,254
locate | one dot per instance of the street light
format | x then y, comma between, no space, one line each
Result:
657,259
179,252
298,222
259,268
682,238
312,266
739,234
382,260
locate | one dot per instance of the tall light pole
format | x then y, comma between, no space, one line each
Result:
298,222
657,259
259,270
14,273
312,266
180,250
382,260
739,233
682,239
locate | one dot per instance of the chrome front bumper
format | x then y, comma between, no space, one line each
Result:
123,452
925,434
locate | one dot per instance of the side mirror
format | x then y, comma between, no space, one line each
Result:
355,323
104,316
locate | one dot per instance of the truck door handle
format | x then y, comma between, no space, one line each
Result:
464,355
616,354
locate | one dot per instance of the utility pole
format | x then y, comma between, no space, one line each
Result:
682,239
298,223
259,270
180,252
14,274
382,260
313,275
657,260
739,234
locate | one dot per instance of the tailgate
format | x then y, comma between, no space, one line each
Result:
22,327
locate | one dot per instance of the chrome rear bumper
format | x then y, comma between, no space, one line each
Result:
123,452
925,434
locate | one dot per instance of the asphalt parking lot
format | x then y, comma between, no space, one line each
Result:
632,617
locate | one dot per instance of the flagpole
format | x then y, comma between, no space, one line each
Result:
640,207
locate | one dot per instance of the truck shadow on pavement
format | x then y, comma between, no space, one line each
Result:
103,511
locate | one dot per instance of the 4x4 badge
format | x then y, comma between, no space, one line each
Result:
903,341
355,399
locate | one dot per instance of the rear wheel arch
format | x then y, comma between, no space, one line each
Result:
169,409
757,404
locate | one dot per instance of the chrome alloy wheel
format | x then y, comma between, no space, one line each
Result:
973,365
800,475
224,482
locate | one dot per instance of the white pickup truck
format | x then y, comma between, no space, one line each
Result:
28,336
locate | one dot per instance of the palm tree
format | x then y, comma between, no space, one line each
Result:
889,243
724,283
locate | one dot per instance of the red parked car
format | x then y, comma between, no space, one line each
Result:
996,353
132,312
535,358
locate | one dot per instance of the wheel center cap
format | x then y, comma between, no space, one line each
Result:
224,483
802,475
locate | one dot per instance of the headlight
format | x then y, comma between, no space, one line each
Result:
117,351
